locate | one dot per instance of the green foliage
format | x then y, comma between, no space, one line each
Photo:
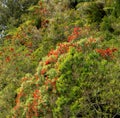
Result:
73,3
78,78
95,12
11,11
73,82
106,24
15,63
116,11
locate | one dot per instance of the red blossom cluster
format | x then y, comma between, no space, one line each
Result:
43,71
53,56
63,48
106,52
33,107
76,32
53,52
50,60
32,111
36,94
18,100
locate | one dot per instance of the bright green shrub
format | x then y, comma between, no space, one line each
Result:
82,84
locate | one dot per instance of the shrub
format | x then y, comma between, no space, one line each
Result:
77,79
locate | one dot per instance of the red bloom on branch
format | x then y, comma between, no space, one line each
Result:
53,52
76,30
75,34
43,71
36,94
20,94
47,62
72,37
106,52
51,60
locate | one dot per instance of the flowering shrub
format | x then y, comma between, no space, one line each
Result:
78,78
71,82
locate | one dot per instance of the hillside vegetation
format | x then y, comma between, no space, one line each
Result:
60,59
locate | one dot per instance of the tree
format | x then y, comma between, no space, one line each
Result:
11,11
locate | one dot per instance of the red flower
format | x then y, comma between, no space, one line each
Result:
18,100
72,37
51,60
47,62
36,94
106,52
43,71
76,30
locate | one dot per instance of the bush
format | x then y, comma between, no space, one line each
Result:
77,79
